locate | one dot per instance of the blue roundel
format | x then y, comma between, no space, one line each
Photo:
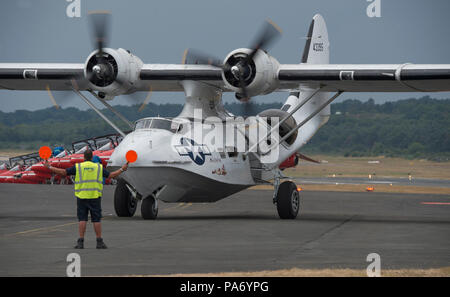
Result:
197,152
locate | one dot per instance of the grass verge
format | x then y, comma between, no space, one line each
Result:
297,272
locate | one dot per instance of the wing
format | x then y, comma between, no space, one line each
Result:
39,76
168,77
57,76
367,78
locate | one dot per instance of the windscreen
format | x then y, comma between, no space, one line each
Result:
163,124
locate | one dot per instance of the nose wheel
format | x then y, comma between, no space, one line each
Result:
149,208
288,200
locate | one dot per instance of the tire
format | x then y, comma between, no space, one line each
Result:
288,200
149,208
124,203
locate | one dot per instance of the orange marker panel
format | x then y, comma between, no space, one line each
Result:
45,152
131,156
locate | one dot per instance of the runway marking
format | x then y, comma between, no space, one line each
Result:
435,203
50,228
187,205
173,207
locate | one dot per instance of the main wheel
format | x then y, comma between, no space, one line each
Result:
149,208
288,200
124,203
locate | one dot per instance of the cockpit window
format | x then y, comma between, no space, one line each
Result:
139,125
157,123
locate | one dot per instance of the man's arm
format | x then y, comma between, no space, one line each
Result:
118,171
59,171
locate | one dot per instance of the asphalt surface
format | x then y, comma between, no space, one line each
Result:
38,229
421,182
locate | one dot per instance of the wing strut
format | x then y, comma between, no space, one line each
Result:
319,109
112,109
88,102
284,120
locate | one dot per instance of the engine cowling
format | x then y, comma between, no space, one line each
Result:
285,127
113,72
259,74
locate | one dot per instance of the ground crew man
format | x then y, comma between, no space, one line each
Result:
88,190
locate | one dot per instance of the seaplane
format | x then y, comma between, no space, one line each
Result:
205,153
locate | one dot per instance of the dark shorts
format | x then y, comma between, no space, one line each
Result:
94,206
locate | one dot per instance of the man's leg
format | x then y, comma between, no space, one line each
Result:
82,214
96,216
82,228
98,229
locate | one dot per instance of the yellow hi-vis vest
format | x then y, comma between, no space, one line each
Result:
88,180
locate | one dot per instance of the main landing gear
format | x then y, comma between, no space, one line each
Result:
286,197
124,203
288,200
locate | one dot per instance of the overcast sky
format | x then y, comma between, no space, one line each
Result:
158,31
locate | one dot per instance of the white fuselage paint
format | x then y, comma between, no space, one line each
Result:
164,161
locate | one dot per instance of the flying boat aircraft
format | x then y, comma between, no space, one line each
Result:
174,163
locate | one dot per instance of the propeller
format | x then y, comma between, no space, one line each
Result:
239,69
101,67
102,70
242,69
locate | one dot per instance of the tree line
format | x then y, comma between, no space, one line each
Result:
412,128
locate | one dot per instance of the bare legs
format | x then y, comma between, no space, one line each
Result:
97,229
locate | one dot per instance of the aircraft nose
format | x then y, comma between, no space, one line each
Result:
118,157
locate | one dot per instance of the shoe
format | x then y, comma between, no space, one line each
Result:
101,244
80,243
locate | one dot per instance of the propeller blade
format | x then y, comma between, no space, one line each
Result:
194,56
100,23
59,97
266,36
137,98
146,100
51,97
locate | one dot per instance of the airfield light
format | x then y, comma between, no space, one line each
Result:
370,189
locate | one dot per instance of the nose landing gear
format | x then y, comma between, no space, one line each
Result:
149,208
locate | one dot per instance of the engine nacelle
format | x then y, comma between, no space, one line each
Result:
113,73
285,127
260,75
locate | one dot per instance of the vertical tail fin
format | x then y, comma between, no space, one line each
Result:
317,47
317,51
